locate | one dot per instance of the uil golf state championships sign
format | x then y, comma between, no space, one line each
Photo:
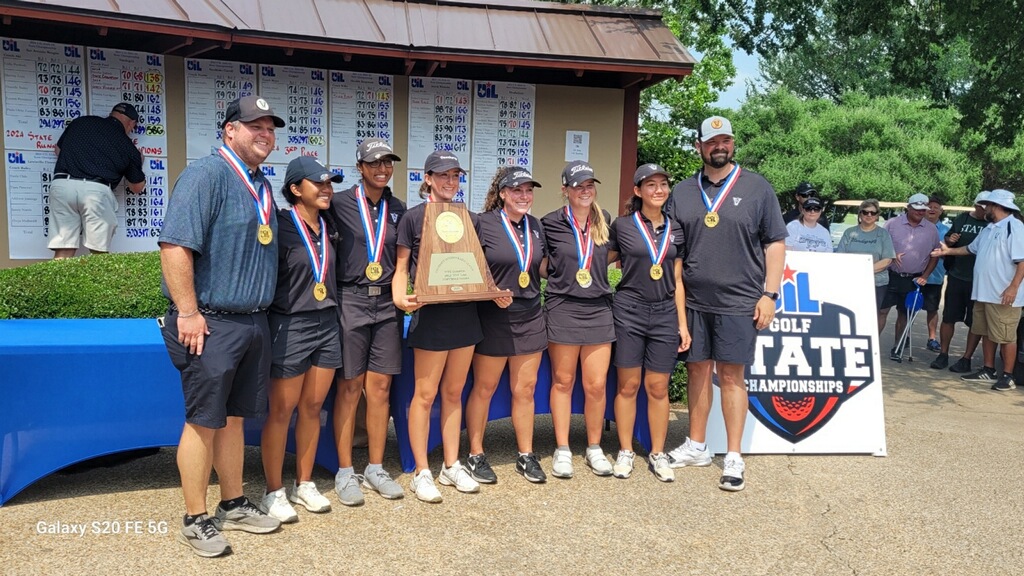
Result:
815,385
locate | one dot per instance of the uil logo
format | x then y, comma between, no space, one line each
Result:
812,358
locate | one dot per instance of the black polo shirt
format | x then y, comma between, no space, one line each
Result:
724,266
501,256
352,258
294,292
98,149
626,239
563,259
410,228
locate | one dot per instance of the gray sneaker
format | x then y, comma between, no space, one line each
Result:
245,517
687,455
381,482
347,487
204,538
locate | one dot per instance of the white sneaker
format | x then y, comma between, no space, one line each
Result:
423,485
732,474
459,477
660,466
308,496
598,462
561,466
623,464
276,505
687,455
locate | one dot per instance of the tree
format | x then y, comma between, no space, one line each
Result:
885,148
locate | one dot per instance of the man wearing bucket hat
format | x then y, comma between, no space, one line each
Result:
218,251
998,272
959,285
913,238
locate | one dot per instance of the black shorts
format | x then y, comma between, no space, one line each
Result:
302,340
512,331
880,295
727,339
899,287
579,321
371,333
932,294
646,333
959,307
232,375
440,327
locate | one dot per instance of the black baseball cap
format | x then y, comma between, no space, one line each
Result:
645,171
517,176
373,149
805,189
576,173
307,168
248,109
126,109
812,202
441,161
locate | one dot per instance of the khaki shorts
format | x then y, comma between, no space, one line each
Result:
75,204
997,322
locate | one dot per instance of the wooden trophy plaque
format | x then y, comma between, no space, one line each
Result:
451,265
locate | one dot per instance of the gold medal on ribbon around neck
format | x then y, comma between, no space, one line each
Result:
583,278
264,234
374,271
524,279
657,272
711,219
320,291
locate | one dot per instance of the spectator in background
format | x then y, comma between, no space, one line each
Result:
913,238
998,273
801,193
870,238
959,284
806,234
932,290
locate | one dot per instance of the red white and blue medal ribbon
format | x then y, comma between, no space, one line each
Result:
711,218
263,200
584,255
374,239
657,254
319,263
524,254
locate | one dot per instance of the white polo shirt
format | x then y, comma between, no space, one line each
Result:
999,247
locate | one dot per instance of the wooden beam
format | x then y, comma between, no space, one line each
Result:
433,68
102,30
409,64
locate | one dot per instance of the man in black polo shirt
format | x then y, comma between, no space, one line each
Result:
93,154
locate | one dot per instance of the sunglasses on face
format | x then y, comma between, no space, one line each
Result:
812,209
803,195
868,213
378,163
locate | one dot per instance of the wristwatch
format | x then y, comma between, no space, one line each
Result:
773,295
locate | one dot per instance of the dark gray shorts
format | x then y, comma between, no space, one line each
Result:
371,333
232,375
579,321
646,333
440,327
728,339
302,340
511,331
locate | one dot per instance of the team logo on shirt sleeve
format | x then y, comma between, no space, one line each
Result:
811,359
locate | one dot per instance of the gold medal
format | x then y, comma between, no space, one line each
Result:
319,291
711,219
524,279
657,272
374,271
583,278
264,234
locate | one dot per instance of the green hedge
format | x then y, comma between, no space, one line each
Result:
94,286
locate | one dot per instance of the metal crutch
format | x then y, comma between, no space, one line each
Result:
914,302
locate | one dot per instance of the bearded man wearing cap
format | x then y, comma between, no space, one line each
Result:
93,155
218,251
998,299
913,238
958,305
733,255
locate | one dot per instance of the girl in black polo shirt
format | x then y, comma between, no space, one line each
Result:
513,245
305,336
650,314
578,310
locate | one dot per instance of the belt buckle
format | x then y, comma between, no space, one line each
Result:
373,291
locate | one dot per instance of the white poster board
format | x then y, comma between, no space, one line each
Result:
137,78
503,114
815,386
299,96
43,90
209,86
362,106
440,115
